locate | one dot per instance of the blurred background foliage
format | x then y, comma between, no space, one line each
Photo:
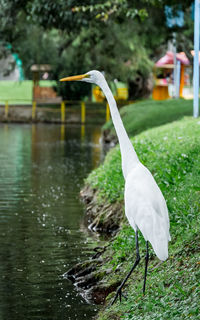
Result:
121,37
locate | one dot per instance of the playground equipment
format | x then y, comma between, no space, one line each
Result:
43,94
170,70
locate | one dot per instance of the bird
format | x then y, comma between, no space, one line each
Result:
145,205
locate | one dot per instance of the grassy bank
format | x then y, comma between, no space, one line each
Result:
147,114
171,152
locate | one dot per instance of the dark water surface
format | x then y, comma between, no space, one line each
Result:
42,234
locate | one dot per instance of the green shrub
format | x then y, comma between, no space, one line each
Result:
146,114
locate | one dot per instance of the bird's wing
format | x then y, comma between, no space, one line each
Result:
145,208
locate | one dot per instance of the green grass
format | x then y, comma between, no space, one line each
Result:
171,152
19,91
147,114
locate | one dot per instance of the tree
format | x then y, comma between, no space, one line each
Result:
121,37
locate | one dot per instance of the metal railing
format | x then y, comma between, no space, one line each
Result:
51,107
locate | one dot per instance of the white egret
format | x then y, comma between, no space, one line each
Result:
145,206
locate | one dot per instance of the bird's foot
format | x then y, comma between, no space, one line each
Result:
118,294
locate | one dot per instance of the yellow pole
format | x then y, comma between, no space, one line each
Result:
82,112
33,110
62,111
107,112
6,109
182,80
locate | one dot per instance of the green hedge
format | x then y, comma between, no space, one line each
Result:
146,114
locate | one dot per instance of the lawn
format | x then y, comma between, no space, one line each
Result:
171,152
146,114
19,91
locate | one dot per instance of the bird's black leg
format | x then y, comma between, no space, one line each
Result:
146,265
119,290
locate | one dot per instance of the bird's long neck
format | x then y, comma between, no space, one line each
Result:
129,156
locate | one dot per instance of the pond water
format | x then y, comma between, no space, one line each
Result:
42,233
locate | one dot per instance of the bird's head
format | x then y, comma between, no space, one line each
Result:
93,76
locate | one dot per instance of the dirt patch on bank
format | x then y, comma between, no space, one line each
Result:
101,217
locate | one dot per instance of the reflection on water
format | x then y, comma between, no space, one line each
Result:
41,172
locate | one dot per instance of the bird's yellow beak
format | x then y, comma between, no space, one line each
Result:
75,78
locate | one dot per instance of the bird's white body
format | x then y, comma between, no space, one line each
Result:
146,209
145,206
